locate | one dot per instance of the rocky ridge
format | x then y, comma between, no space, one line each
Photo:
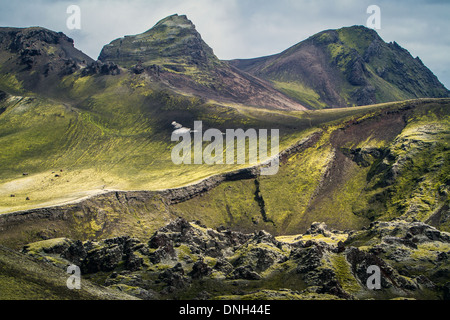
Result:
39,56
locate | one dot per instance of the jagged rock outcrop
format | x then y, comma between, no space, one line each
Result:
101,68
191,260
410,248
39,56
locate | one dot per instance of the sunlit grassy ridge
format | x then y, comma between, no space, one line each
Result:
101,133
323,184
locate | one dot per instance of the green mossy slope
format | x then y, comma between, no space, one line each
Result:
24,278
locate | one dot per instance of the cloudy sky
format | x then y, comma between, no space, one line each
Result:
246,28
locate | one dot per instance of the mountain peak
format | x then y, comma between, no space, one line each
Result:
345,67
173,39
172,23
359,28
20,38
40,42
176,20
359,37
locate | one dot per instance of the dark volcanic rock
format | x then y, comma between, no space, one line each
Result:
307,259
3,95
200,270
174,277
318,228
101,68
361,261
245,273
183,256
76,252
49,54
160,240
102,259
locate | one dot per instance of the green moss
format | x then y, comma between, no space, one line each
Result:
184,251
428,252
301,93
211,262
246,249
341,56
423,147
10,83
23,278
386,91
358,38
334,239
344,274
278,295
46,245
231,203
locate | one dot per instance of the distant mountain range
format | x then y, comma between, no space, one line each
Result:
335,68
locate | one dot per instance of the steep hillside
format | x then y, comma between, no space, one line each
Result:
25,278
175,54
36,58
384,164
355,166
346,67
115,134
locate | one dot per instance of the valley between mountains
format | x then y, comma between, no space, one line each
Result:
86,175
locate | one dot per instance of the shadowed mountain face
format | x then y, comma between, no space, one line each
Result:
38,57
346,67
175,51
